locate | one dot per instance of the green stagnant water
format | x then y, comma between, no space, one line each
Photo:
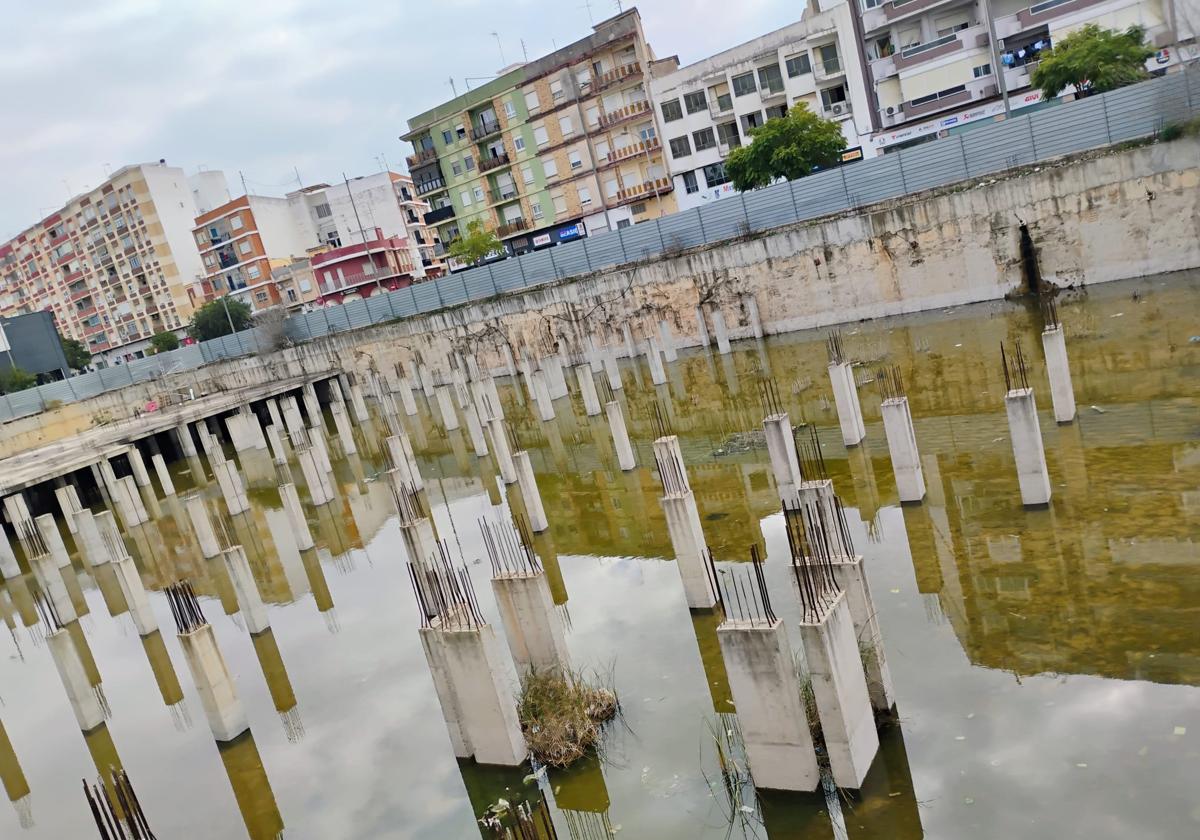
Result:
1045,662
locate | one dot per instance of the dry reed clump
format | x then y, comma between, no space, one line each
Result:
562,715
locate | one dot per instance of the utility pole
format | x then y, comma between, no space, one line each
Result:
997,67
362,234
245,191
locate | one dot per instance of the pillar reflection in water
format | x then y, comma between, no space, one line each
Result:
251,788
12,777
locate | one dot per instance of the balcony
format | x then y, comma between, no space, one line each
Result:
439,214
432,185
484,129
509,228
826,70
972,37
422,157
718,109
723,149
837,110
1039,13
938,102
644,189
639,148
508,192
617,74
489,163
621,114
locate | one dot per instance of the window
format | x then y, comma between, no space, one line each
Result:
244,246
743,84
623,223
704,139
201,238
368,267
695,101
456,167
585,196
830,63
253,271
750,121
535,210
689,182
323,211
566,126
714,174
833,96
724,101
465,198
981,71
235,222
519,143
593,115
527,174
575,159
541,136
646,132
531,101
210,260
610,187
671,110
560,204
776,111
680,147
769,78
550,168
933,97
448,137
602,148
468,162
798,65
951,23
510,110
478,190
556,89
460,131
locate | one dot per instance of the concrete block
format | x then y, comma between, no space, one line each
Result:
845,397
531,623
1030,456
89,713
529,492
902,446
1062,393
214,683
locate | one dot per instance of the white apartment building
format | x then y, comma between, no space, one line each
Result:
933,63
710,107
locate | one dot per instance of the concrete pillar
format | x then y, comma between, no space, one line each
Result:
620,436
840,690
91,538
320,448
556,380
852,580
312,405
140,474
232,487
1027,447
52,537
611,369
295,514
587,387
134,592
446,408
164,477
341,422
529,492
1062,395
404,388
532,625
89,712
902,446
818,495
845,397
425,377
627,335
129,502
771,716
278,453
668,341
54,586
9,570
475,430
274,413
292,420
683,523
751,304
315,477
477,703
251,428
68,502
202,526
502,451
721,332
250,602
781,448
702,327
658,375
358,404
541,395
402,459
183,437
236,427
214,683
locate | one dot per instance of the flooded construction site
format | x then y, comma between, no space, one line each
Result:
312,618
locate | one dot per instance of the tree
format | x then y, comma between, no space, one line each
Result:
789,147
1093,60
76,352
212,319
475,244
15,379
165,341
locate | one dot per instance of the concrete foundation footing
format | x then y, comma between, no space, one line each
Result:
529,492
902,447
1028,451
845,398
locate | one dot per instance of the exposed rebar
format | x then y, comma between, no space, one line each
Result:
812,556
834,345
891,383
185,608
510,550
1015,368
744,594
444,592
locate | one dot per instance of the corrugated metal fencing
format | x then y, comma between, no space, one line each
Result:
1126,114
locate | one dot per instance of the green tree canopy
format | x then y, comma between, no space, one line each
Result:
76,352
785,147
211,320
15,379
475,244
1093,60
165,341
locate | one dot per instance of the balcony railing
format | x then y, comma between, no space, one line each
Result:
509,228
646,188
641,147
484,129
423,156
508,192
439,214
828,69
432,185
487,164
617,74
624,113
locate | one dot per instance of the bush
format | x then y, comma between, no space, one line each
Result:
1174,131
212,319
15,379
164,342
561,716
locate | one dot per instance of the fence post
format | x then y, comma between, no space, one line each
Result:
1032,141
962,149
553,264
846,190
662,245
1107,127
700,221
492,280
328,326
745,214
521,265
621,240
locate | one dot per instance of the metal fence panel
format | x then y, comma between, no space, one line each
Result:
571,258
770,207
24,403
452,289
403,302
379,308
1142,109
478,285
820,194
1002,145
933,164
507,275
604,249
874,180
641,241
723,219
426,297
538,268
682,230
1060,131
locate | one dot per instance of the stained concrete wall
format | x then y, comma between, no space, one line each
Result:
1096,217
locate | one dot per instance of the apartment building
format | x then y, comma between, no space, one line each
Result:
935,64
114,263
258,247
710,107
378,264
551,149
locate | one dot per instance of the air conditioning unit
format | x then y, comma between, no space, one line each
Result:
838,109
891,110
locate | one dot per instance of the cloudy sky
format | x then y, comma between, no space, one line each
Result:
273,86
